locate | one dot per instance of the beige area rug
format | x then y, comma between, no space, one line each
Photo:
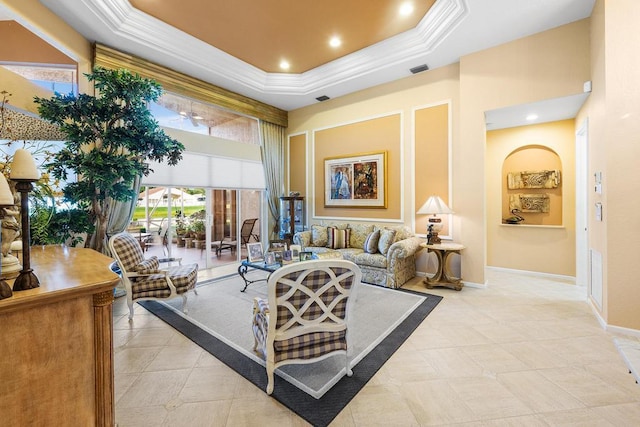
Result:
219,320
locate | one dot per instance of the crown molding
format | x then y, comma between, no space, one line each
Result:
118,24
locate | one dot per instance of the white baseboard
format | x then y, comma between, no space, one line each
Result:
476,285
560,277
466,283
623,331
596,313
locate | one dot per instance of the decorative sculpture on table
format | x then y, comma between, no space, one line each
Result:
10,232
6,201
515,219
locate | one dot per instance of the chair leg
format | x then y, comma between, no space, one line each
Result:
349,370
130,304
269,379
255,324
185,310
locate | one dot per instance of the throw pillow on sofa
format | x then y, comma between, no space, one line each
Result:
338,225
386,240
371,242
338,239
402,232
319,235
359,233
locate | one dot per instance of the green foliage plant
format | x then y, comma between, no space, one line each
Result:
111,138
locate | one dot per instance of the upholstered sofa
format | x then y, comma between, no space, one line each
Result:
385,254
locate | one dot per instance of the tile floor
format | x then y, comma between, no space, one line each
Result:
525,351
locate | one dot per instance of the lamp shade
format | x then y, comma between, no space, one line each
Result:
434,205
6,197
23,166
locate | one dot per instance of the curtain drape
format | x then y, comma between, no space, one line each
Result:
272,136
121,213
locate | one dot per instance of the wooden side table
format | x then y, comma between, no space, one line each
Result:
443,276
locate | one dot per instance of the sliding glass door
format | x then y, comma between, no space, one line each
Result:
207,226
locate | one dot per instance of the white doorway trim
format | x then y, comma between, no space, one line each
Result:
582,209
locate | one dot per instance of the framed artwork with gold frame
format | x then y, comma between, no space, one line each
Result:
356,181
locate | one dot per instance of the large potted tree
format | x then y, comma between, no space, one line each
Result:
110,138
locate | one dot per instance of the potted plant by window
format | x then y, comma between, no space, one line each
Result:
111,138
199,229
181,230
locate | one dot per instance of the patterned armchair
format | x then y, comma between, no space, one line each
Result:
311,304
143,279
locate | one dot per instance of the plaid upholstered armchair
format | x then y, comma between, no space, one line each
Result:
310,302
143,279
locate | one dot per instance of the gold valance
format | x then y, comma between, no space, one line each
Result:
183,84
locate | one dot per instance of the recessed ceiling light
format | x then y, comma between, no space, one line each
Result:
198,117
284,64
335,41
406,9
531,117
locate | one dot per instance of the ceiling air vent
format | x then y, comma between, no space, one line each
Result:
419,68
322,98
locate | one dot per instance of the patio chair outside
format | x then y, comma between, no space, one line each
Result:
158,239
246,234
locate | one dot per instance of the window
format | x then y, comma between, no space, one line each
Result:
179,112
56,79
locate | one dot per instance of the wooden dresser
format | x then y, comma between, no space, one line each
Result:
56,342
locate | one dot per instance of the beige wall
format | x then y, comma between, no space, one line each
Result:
547,65
431,161
297,170
547,249
399,98
510,74
380,135
614,149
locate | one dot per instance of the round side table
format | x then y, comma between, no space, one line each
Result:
443,276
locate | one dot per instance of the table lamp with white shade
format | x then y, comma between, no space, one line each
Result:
434,206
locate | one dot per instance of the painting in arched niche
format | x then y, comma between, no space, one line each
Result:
532,186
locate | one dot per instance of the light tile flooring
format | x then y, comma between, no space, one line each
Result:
525,351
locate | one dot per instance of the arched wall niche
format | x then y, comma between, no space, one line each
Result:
532,183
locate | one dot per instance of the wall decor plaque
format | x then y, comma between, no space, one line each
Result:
533,179
535,203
